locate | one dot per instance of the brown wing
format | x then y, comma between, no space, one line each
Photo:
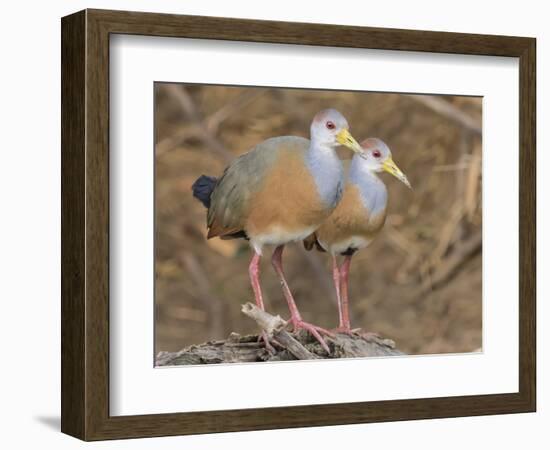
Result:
230,201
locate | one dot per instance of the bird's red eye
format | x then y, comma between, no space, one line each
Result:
330,125
376,154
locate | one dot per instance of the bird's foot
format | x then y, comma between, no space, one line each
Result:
269,343
314,330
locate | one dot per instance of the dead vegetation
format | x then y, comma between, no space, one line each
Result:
286,346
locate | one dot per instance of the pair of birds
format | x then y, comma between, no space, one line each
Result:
289,189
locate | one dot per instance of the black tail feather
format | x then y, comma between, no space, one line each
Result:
203,188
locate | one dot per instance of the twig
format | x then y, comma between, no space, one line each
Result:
452,167
448,110
275,326
213,304
187,105
473,179
447,232
168,143
214,120
239,349
449,266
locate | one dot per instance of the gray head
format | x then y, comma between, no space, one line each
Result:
377,157
330,128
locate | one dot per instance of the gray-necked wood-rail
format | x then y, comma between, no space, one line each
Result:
358,218
279,192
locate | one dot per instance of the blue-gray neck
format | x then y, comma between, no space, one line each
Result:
372,189
326,169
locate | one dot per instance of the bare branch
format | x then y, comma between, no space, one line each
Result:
187,105
448,110
451,264
239,349
275,326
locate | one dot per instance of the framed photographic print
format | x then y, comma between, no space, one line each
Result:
271,224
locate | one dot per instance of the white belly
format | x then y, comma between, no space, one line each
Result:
277,236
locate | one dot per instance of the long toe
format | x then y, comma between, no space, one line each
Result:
324,331
315,331
267,342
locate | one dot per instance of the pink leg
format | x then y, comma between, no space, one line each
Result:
344,280
254,272
345,326
336,280
295,316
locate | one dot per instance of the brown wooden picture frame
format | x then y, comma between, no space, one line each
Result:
85,224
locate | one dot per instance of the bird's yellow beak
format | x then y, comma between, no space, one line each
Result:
390,167
345,138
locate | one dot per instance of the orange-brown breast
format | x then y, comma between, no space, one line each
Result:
350,218
288,198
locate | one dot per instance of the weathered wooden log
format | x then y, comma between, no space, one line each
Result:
287,346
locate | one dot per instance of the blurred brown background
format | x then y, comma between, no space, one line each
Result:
419,283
